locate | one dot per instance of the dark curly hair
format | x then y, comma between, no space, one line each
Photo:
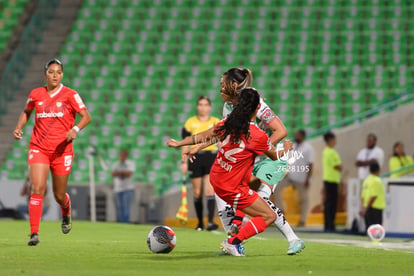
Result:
238,122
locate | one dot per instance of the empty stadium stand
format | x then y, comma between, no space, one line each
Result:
141,64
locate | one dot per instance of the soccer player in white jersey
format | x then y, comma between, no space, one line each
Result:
269,172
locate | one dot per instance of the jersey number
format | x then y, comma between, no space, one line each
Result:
228,154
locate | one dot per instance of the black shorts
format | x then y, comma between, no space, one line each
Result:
373,216
202,164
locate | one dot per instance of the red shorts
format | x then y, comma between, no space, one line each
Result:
59,164
241,198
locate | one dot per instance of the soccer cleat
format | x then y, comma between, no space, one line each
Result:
233,249
296,247
34,240
211,226
233,230
66,224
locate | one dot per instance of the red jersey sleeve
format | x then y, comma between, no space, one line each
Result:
262,144
76,102
217,125
30,104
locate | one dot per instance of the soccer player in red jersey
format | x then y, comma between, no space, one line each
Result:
50,145
241,141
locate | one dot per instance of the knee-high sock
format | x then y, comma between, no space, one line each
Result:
35,212
253,227
198,205
65,206
225,213
280,222
211,202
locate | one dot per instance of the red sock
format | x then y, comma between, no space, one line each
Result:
35,212
254,226
65,206
238,218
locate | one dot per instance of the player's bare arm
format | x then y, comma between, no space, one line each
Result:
83,122
202,137
24,117
279,130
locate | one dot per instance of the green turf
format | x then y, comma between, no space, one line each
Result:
115,249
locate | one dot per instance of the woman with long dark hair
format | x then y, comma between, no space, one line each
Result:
241,141
266,171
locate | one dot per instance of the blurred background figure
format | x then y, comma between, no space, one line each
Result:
200,168
332,167
368,155
399,160
372,197
299,175
123,187
25,191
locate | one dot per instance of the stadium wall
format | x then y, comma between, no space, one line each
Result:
389,128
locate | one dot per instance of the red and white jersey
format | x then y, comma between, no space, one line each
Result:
54,116
234,162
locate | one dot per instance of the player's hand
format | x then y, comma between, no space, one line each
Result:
17,133
71,135
287,145
172,143
188,154
184,167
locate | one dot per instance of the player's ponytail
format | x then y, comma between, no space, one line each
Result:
238,122
242,77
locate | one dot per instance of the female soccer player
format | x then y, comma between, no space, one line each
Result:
269,172
241,141
50,146
200,169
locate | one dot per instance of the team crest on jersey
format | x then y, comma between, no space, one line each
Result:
58,103
251,192
268,116
40,103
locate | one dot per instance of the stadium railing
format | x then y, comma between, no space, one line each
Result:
21,58
387,105
387,174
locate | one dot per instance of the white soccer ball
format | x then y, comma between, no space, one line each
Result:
161,239
376,232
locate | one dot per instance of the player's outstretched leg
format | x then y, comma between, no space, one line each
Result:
261,215
296,245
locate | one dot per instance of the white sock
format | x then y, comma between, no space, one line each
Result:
225,212
280,222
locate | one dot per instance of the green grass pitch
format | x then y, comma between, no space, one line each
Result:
116,249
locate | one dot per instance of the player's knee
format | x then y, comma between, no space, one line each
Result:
197,194
38,190
59,197
269,217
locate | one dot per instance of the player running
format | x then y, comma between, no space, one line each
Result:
241,141
267,171
50,145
